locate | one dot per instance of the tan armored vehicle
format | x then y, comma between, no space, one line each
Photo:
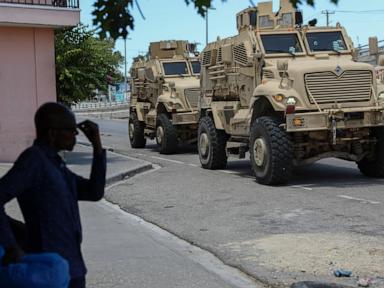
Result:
290,94
164,96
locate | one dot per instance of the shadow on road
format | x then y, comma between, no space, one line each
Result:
183,149
85,158
315,175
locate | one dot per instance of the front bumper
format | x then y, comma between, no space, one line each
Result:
185,118
348,118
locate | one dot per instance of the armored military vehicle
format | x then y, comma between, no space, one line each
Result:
164,96
290,94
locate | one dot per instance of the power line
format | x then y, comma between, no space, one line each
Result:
361,11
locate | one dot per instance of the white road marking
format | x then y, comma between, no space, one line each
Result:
302,187
193,165
169,160
364,201
140,154
227,171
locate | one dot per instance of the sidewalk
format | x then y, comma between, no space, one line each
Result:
121,250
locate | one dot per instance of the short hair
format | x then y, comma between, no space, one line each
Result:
49,115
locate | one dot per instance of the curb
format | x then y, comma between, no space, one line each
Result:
315,284
125,174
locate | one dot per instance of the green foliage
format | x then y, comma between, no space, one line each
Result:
83,63
113,17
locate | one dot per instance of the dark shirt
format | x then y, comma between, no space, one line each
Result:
48,193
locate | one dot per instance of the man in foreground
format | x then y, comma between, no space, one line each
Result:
48,192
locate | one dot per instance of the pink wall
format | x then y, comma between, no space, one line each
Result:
27,79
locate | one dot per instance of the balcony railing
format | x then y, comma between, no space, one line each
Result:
49,3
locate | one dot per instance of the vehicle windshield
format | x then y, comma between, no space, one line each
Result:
195,67
281,43
326,41
175,68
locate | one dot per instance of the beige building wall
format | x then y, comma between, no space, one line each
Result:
27,79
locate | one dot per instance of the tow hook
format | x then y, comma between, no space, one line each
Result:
334,121
334,130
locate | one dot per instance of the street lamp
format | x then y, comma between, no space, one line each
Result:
206,25
125,66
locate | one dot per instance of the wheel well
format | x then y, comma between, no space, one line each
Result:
262,107
161,109
204,113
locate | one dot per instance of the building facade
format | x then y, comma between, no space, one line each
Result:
27,65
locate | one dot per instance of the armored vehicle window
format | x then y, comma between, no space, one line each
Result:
281,43
326,41
253,18
175,68
195,67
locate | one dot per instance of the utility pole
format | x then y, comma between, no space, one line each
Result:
125,68
327,13
206,24
206,27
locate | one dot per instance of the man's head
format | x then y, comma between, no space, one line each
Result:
56,125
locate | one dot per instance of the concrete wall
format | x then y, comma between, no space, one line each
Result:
27,79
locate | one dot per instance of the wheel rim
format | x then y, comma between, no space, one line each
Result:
204,145
159,134
259,151
131,130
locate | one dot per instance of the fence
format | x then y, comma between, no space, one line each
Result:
99,106
54,3
364,50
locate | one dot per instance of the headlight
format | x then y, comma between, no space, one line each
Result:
176,106
381,96
279,97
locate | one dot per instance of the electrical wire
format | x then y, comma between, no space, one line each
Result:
361,11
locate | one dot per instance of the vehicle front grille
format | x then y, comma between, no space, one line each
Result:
351,86
192,96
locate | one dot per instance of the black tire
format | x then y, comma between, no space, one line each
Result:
271,152
211,145
373,165
166,135
136,132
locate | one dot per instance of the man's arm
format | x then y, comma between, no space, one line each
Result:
93,189
21,176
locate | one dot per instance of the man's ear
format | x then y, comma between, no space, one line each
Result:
51,136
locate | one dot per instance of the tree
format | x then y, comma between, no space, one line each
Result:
114,18
84,63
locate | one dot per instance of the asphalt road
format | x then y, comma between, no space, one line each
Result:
328,217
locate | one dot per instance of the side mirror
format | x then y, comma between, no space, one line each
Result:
172,85
150,74
141,74
226,53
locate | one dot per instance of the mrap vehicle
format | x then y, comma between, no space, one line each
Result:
290,94
164,96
